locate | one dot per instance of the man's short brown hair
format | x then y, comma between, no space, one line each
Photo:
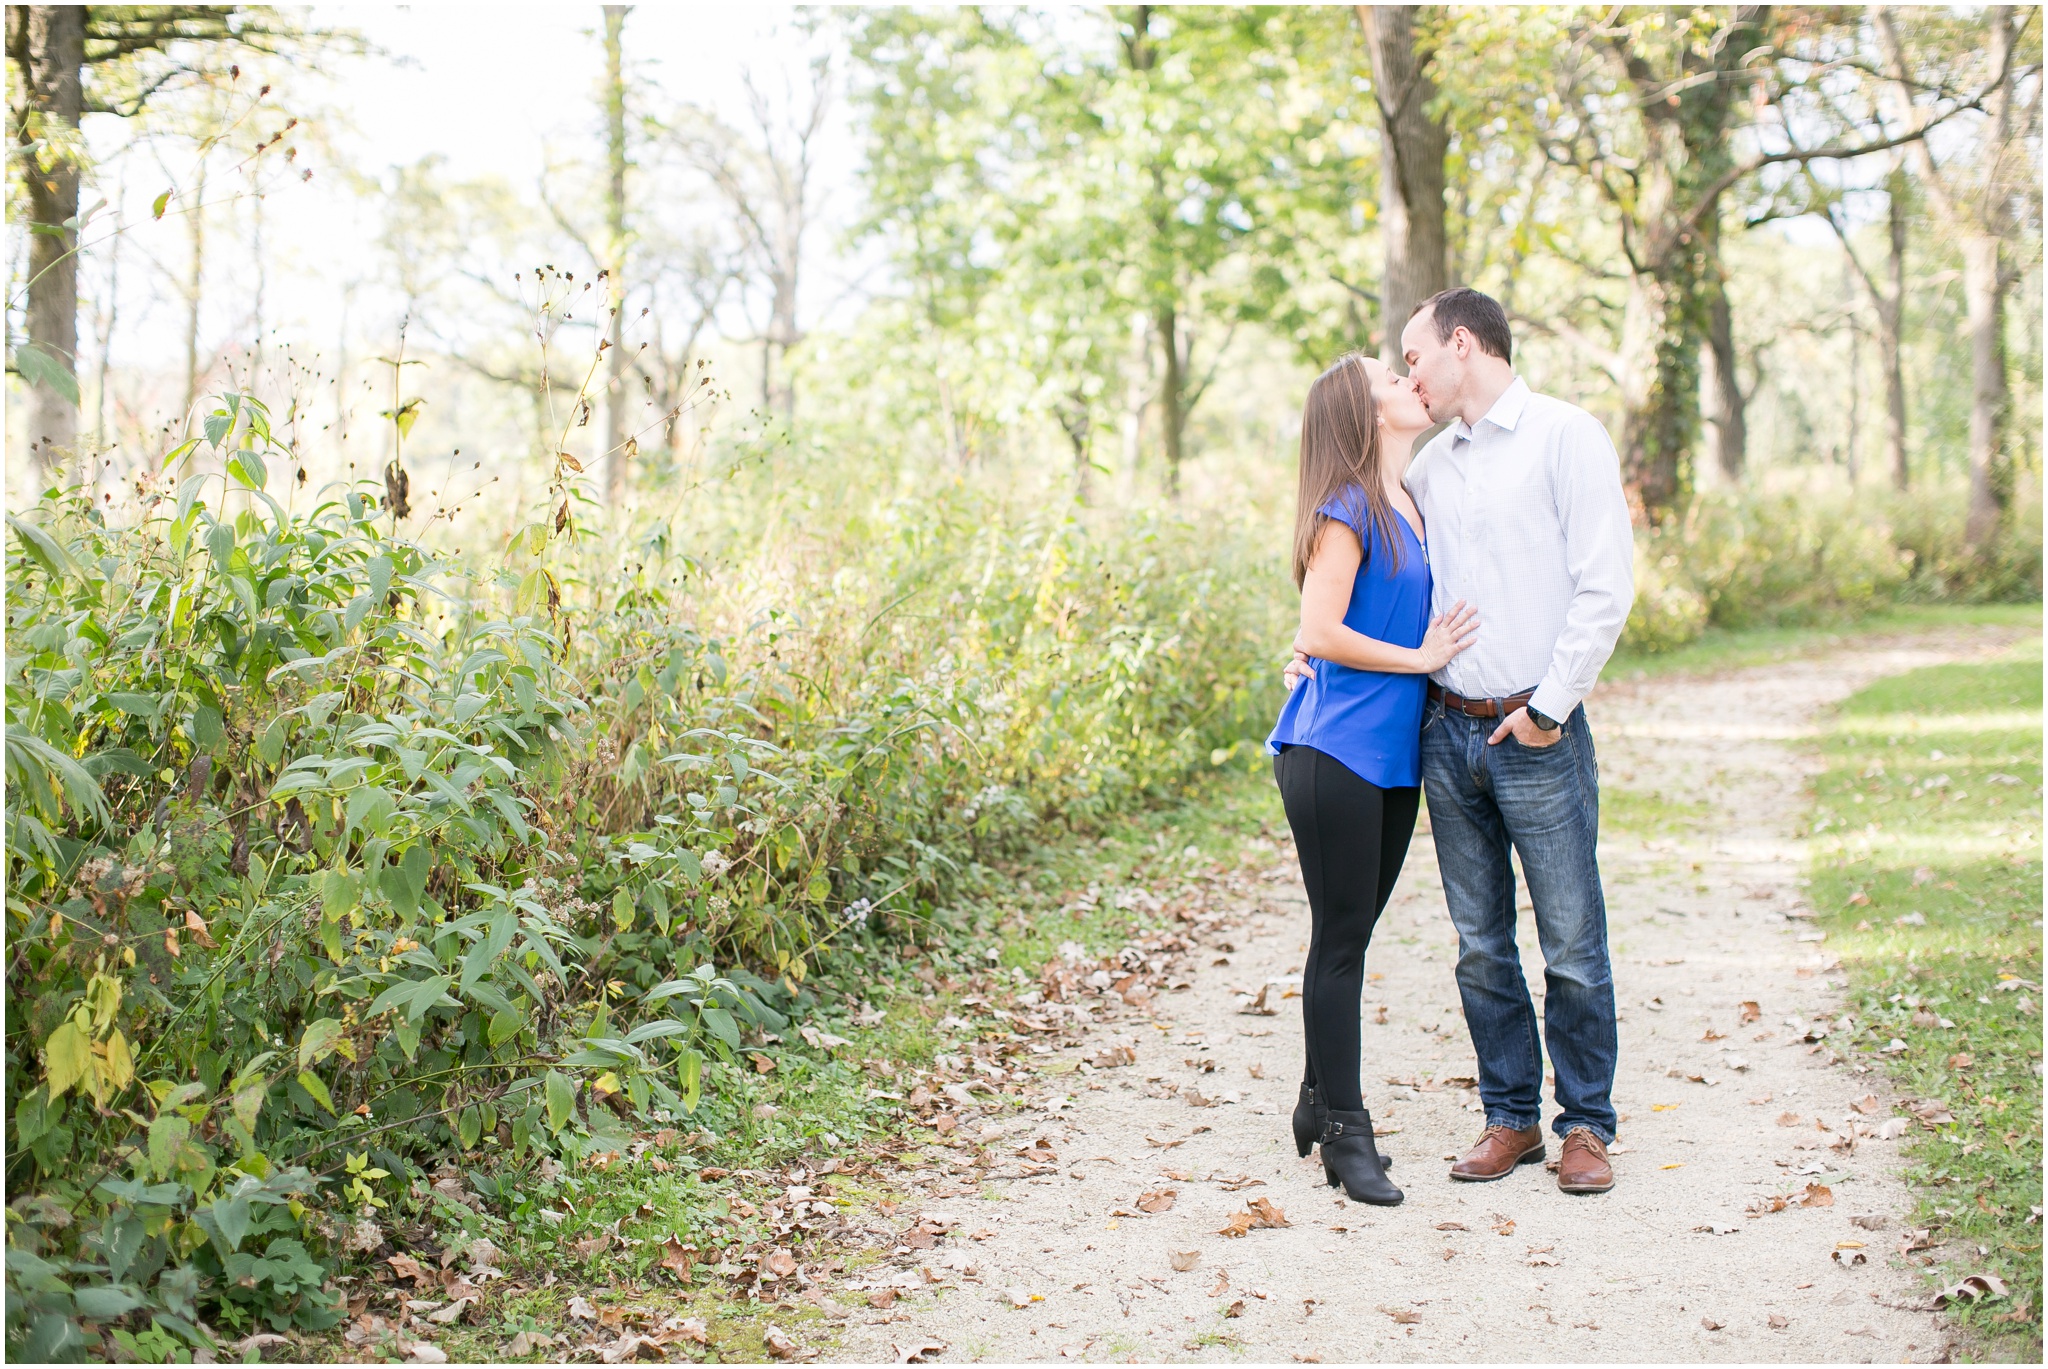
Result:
1478,314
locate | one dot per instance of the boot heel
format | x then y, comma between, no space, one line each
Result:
1308,1121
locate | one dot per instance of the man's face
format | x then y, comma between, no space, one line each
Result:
1436,368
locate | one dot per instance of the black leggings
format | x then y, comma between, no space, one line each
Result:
1352,837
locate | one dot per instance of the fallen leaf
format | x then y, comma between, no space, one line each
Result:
1975,1288
1452,1226
452,1313
1750,1013
918,1351
779,1344
882,1299
1791,1119
1503,1226
581,1310
1184,1260
406,1267
1873,1221
1019,1298
1891,1129
1718,1228
1267,1214
1777,1322
1402,1316
596,1245
1711,1324
1222,1284
420,1352
1818,1195
780,1264
762,1064
675,1258
1235,1309
1868,1105
1157,1200
692,1329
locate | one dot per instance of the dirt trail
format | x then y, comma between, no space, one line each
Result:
1700,922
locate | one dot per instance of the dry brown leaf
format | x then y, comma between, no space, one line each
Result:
778,1264
1157,1200
581,1310
1222,1284
1818,1195
1402,1316
692,1329
1711,1324
1184,1260
1239,1224
596,1245
918,1351
1750,1013
676,1258
1265,1213
1975,1288
1868,1105
1791,1119
406,1267
1778,1322
1235,1309
882,1299
1452,1226
779,1344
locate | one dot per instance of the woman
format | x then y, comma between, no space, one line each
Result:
1347,750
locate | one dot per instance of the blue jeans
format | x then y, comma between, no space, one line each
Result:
1545,803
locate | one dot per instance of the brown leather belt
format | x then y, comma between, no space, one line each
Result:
1479,708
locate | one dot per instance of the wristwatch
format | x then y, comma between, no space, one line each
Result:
1544,722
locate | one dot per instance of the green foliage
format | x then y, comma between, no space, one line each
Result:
328,855
1757,558
1927,830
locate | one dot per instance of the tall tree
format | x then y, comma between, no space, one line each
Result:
69,61
615,221
1973,196
1413,142
1650,110
1886,288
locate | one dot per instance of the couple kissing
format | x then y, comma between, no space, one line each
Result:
1457,604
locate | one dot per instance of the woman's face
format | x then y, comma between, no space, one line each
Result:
1400,406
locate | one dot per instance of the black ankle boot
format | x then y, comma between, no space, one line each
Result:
1308,1126
1351,1159
1308,1121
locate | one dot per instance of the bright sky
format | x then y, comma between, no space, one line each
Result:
493,89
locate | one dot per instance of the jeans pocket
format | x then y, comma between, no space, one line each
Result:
1432,714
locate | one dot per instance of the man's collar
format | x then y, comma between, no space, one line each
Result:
1505,413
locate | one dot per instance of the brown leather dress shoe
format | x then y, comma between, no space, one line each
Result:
1582,1164
1499,1150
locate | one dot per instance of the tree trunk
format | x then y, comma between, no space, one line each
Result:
1984,300
616,398
1412,148
56,97
1172,392
1728,406
1660,350
1891,308
195,285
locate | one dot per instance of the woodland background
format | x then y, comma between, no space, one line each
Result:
487,652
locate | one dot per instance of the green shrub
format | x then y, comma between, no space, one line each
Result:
328,854
1817,554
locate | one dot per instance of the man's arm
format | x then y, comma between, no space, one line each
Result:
1600,554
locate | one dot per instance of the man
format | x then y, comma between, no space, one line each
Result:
1522,505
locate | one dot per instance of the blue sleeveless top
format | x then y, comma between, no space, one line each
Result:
1368,720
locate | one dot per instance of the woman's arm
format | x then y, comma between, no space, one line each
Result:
1326,594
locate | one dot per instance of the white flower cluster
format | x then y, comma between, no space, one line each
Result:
856,913
715,864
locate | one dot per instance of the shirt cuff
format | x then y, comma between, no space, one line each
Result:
1553,701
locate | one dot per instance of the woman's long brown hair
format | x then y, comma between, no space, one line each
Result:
1340,460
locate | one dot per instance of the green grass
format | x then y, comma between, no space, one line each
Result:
1724,649
1644,813
1927,869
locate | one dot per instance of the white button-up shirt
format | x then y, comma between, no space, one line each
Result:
1527,523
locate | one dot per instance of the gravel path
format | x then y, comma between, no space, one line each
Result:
1720,1115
